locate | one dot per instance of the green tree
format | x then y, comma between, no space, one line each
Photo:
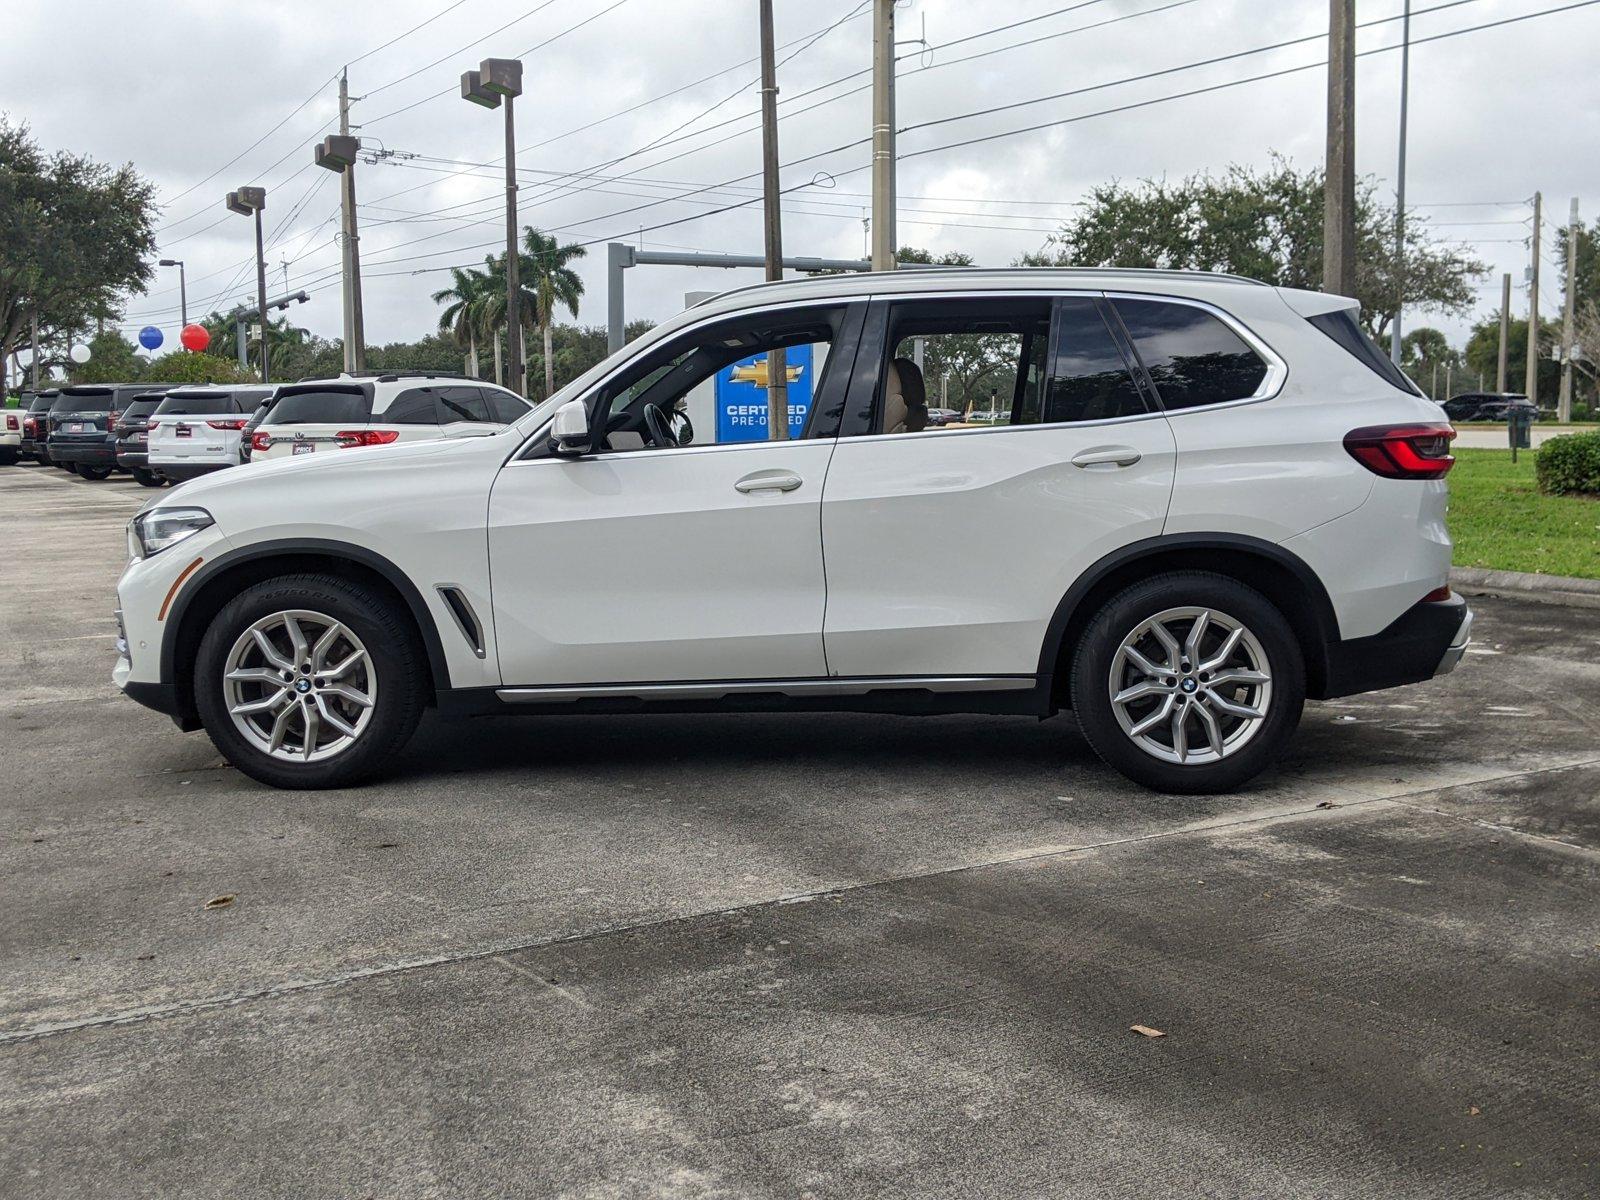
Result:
463,302
1267,225
111,360
1427,356
544,270
1483,355
181,366
75,236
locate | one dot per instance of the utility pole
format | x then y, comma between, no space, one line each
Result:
1505,332
1532,385
355,342
777,360
495,81
1339,184
883,164
1569,317
1395,349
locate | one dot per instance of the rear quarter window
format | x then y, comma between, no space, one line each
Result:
1342,326
1192,356
322,406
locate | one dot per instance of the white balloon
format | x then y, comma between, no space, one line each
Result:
80,353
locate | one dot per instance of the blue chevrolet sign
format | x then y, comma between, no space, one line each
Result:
742,396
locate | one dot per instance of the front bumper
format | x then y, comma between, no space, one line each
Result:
93,454
1429,639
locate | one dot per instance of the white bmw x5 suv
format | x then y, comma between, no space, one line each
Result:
1208,500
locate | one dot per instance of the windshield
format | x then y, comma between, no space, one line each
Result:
321,406
197,404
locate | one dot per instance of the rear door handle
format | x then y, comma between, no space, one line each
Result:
769,481
1107,456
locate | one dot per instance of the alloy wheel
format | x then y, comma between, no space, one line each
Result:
1190,685
300,686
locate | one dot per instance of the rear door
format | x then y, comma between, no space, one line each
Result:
948,549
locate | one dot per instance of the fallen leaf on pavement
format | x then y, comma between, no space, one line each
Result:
1473,1111
220,901
1327,804
1146,1031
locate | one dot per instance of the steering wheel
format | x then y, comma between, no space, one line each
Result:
661,435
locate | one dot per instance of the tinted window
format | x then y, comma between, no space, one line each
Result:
414,406
1089,380
462,404
503,408
320,406
139,409
196,404
87,400
1192,357
41,403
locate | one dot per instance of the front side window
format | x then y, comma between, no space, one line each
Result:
1191,355
461,403
503,407
709,386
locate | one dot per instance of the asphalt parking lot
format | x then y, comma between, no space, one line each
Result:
753,956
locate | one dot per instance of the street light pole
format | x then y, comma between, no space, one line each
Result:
183,289
338,153
1395,349
498,79
250,201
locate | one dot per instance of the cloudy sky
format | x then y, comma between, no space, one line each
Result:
631,103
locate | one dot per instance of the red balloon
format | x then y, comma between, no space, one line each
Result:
195,338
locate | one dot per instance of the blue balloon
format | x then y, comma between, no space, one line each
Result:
150,337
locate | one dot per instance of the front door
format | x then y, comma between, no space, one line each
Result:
1004,447
686,547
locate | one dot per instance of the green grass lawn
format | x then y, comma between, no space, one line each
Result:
1500,520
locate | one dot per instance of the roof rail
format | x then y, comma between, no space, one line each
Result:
391,376
922,270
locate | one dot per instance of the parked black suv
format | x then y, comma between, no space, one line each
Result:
132,433
82,434
1486,406
35,409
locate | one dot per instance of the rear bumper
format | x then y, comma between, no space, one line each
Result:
1429,639
94,454
179,472
130,460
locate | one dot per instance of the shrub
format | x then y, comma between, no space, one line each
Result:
1569,464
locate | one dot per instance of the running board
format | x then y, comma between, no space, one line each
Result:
716,690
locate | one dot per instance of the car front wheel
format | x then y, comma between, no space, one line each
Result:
310,681
147,478
1189,682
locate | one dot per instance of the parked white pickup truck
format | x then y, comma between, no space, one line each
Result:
197,430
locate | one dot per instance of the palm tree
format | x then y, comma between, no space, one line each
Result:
544,271
492,314
464,300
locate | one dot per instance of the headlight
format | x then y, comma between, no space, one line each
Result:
152,532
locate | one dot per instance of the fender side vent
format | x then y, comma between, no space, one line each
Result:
467,620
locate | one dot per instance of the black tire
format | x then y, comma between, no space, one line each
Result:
69,468
1121,616
397,659
147,478
8,456
94,473
44,459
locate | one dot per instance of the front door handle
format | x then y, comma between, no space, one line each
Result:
769,481
1107,456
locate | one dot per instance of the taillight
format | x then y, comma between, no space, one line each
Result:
240,423
11,422
1403,451
366,437
1438,596
260,441
111,419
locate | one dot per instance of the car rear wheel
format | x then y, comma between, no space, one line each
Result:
147,478
310,681
95,473
69,468
1189,682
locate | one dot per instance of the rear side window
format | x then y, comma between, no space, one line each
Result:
1089,378
462,404
1192,357
414,406
1342,326
504,409
320,406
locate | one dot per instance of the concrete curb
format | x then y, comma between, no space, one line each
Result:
1546,589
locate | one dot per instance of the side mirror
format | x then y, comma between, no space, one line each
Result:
569,432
